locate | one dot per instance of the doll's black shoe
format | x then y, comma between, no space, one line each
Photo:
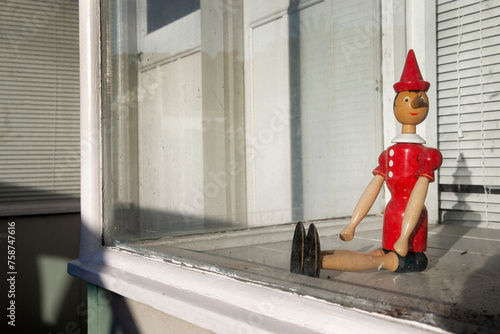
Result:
312,253
298,242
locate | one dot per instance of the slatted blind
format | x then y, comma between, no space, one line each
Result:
468,41
39,106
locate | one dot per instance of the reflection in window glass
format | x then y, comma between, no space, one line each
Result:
160,12
241,114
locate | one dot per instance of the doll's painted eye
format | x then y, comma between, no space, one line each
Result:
407,99
421,99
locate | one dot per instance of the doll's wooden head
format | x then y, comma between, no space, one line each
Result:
411,108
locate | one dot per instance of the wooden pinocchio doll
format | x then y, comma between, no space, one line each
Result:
407,167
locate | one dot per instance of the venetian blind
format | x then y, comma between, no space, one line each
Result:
468,41
39,107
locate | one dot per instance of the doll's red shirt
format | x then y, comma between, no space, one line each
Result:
401,165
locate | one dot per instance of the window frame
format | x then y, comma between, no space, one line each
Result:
174,288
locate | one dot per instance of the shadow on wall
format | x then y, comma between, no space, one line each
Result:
462,175
461,178
45,297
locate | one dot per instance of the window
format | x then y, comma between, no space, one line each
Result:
223,127
238,115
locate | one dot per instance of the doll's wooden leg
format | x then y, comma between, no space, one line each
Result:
340,251
352,261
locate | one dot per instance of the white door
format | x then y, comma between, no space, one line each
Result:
313,110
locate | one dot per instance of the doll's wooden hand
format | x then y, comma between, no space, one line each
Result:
347,233
401,246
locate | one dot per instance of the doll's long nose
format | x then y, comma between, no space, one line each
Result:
417,101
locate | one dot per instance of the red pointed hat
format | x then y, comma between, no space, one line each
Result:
411,79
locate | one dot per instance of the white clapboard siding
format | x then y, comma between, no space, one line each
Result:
39,107
468,64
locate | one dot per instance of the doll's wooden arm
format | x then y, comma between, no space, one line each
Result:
364,204
412,214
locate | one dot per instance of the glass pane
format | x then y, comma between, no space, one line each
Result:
229,114
161,13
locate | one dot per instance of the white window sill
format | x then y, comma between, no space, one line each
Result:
227,302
